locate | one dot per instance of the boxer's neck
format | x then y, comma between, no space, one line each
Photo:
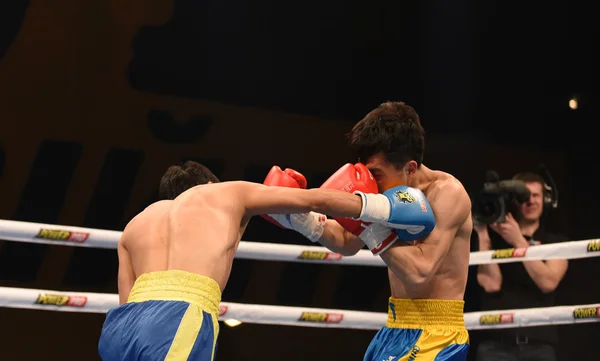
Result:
422,178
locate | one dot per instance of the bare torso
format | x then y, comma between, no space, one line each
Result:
199,232
450,281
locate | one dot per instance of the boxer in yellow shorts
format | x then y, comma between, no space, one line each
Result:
427,266
429,329
175,258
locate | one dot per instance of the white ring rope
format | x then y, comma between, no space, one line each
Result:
299,316
99,238
283,315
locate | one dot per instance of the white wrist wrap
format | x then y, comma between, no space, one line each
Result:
378,238
311,225
375,208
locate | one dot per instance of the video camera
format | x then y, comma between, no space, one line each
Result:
498,196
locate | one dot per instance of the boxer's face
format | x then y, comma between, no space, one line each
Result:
385,173
533,208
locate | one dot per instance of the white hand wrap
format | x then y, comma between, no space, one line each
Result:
378,238
375,207
310,225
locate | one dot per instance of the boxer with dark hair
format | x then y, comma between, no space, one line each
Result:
427,256
175,257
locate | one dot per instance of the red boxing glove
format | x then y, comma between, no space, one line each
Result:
286,178
350,178
357,177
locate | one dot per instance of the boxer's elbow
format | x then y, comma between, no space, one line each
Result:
417,276
344,249
346,252
351,246
338,240
416,272
414,280
422,274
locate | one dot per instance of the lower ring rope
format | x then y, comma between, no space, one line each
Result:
301,316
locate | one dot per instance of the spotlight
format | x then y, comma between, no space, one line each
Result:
573,104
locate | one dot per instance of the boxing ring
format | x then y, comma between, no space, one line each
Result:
52,300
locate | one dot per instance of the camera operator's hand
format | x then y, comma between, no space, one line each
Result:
510,231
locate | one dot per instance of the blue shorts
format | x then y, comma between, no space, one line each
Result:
421,330
170,315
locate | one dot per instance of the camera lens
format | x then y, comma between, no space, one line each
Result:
487,209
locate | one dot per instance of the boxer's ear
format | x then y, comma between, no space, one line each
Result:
410,167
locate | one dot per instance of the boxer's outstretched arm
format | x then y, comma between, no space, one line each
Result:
261,199
415,264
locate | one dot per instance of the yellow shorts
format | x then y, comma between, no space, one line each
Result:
421,330
170,315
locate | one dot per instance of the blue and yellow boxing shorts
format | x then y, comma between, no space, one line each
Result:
427,330
170,315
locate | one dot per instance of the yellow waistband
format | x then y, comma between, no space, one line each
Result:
406,313
175,285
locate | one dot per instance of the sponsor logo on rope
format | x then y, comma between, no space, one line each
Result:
587,312
321,317
593,246
494,319
60,300
62,235
222,310
509,253
321,256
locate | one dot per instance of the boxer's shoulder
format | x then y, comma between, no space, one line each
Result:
446,189
149,215
444,182
154,209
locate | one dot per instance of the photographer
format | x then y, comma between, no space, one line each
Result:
528,284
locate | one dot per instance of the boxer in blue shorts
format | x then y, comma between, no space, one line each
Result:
427,266
175,257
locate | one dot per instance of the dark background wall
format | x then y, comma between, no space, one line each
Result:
97,98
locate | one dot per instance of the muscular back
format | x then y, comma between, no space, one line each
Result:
450,279
197,232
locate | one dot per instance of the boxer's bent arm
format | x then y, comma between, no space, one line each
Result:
337,239
262,199
416,264
126,276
